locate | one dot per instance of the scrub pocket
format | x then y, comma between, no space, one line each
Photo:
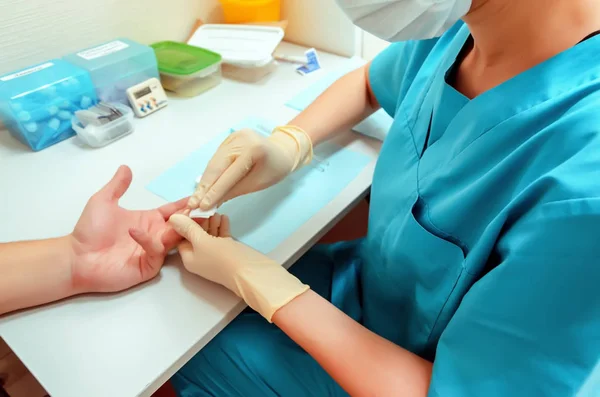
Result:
428,266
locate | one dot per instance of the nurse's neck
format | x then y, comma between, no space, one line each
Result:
512,36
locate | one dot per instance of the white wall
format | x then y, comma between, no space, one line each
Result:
320,24
33,31
371,46
323,25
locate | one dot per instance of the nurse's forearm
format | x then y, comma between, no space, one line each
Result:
343,105
34,272
363,363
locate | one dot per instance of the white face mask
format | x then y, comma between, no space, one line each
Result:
401,20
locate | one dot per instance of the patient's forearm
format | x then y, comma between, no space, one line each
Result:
35,272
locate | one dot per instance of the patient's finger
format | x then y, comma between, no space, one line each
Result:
169,209
170,238
154,249
214,224
225,230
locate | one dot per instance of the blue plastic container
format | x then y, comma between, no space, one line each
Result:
37,103
116,66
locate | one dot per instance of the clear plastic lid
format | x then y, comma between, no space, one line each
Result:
112,53
241,45
43,78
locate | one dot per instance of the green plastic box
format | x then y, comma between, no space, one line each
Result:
185,69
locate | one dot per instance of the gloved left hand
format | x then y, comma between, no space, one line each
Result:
264,284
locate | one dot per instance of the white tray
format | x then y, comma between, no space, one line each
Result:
242,45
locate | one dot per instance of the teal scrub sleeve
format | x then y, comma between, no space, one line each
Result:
393,70
531,326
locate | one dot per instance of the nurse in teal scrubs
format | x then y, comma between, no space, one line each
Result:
480,273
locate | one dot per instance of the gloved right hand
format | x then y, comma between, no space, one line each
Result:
247,162
263,283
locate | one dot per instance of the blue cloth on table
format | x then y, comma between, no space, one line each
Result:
263,220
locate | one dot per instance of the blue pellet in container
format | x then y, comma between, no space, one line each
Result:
37,103
64,115
86,102
54,124
31,127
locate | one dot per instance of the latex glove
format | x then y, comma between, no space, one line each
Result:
264,284
216,226
247,162
114,248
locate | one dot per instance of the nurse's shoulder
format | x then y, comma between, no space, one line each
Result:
573,150
411,64
576,136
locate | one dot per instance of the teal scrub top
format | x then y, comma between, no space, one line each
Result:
483,250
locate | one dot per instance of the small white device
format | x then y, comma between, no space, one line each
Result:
147,97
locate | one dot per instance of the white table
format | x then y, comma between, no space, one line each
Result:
129,344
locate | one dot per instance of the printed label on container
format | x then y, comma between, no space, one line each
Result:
27,71
103,50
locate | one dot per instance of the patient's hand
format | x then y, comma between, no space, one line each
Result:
114,248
